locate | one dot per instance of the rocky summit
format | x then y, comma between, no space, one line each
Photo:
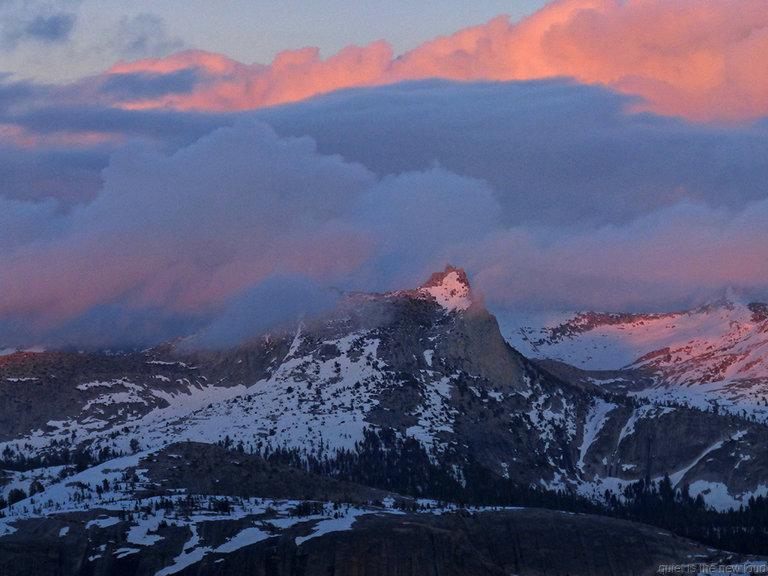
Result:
399,433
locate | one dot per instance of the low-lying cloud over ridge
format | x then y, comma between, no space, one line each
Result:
547,192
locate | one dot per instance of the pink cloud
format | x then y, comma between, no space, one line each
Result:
686,252
701,60
20,137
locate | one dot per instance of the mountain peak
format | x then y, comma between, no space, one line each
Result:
449,288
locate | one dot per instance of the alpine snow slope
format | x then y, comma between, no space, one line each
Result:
155,459
712,357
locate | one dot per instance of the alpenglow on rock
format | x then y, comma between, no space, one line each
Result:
449,288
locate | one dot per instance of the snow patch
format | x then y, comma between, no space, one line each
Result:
452,293
596,419
243,538
102,522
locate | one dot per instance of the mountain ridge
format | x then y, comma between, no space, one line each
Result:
402,392
710,357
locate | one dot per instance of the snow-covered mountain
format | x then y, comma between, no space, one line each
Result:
714,356
425,363
412,391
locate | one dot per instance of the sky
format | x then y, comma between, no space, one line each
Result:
168,170
63,40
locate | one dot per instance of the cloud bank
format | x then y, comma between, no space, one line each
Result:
547,192
173,196
700,60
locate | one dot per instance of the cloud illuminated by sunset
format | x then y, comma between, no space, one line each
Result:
170,195
700,60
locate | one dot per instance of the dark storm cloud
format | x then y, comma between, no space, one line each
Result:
20,26
554,152
16,93
136,85
53,28
163,127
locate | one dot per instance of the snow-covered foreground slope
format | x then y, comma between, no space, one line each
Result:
125,528
119,509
